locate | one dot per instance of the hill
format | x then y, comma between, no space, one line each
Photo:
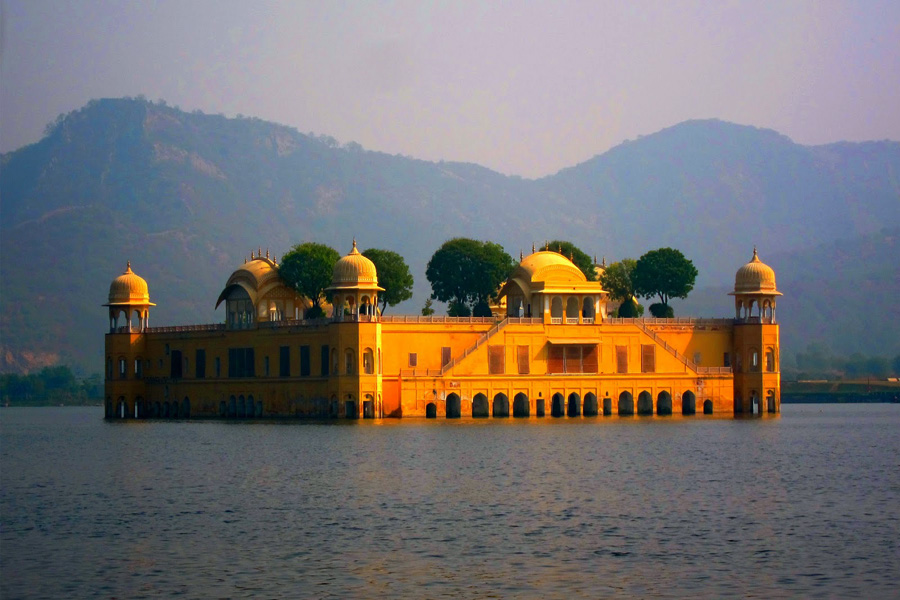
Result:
186,196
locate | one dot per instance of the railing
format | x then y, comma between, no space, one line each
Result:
571,320
555,320
184,328
672,321
687,362
714,370
438,319
294,323
420,373
485,337
587,320
525,320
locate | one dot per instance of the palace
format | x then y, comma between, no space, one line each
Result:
551,349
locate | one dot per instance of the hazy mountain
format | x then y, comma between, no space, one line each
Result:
186,197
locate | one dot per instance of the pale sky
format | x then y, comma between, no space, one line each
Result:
524,88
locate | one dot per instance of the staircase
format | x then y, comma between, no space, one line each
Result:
681,357
485,337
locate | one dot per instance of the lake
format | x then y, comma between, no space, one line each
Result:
803,505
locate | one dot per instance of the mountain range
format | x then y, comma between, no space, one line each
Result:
186,197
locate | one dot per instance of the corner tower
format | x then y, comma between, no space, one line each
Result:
756,363
356,343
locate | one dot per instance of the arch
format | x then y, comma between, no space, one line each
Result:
241,407
771,365
738,404
573,407
770,401
454,406
520,405
501,405
754,360
165,411
430,410
688,403
109,408
249,408
222,408
572,308
480,406
173,411
664,403
590,405
755,406
350,409
334,364
122,408
556,308
587,309
607,406
259,407
557,405
707,407
232,407
539,407
369,407
626,404
645,403
349,361
368,361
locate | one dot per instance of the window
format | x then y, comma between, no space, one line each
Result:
241,362
648,358
522,359
138,368
738,363
121,368
176,365
754,360
368,362
284,361
167,349
573,359
304,361
218,367
324,356
413,359
200,363
496,360
621,359
109,367
445,355
267,366
349,360
556,360
770,360
726,360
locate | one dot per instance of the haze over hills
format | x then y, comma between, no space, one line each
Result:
186,197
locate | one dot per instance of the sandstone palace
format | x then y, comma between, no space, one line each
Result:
549,350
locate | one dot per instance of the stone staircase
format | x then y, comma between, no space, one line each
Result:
485,337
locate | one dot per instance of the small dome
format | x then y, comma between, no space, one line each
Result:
755,277
128,288
538,265
354,269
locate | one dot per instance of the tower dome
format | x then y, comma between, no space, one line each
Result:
354,270
129,288
756,277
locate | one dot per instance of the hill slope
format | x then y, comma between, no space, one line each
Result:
186,197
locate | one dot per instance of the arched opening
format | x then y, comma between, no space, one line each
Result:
607,406
520,405
754,403
350,409
626,404
664,403
770,401
539,407
232,407
738,404
369,361
222,408
110,412
259,406
501,405
166,412
572,310
590,405
557,405
707,407
574,406
122,408
431,410
454,406
770,360
241,407
174,410
556,310
480,406
349,361
334,366
688,403
587,310
645,403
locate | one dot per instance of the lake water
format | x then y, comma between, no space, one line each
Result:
805,505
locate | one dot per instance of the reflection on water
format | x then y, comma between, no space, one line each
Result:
654,507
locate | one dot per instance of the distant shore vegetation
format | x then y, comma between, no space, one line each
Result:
51,386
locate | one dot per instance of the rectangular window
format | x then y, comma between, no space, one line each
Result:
284,361
241,362
445,355
138,370
522,359
267,366
218,367
304,361
177,365
496,360
200,363
573,359
648,358
726,360
324,355
589,359
413,359
556,360
621,359
122,367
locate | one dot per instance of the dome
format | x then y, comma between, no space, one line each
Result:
354,270
755,277
538,265
129,288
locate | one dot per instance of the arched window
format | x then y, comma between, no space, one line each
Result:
572,310
556,310
109,368
587,310
368,362
770,359
349,360
754,359
122,368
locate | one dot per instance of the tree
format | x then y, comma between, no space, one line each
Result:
616,280
427,310
308,269
581,259
664,273
467,273
393,276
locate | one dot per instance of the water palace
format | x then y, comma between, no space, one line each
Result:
551,349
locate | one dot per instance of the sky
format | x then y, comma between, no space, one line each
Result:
524,88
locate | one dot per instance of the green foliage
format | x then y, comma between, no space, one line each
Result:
466,273
661,311
665,273
630,310
393,276
581,259
617,280
50,386
308,269
427,310
817,362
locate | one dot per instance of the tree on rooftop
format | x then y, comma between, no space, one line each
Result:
393,276
664,273
308,268
467,274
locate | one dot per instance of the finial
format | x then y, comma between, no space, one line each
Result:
521,256
603,264
547,246
275,260
259,252
354,242
128,266
595,259
559,248
267,253
532,247
755,255
572,256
